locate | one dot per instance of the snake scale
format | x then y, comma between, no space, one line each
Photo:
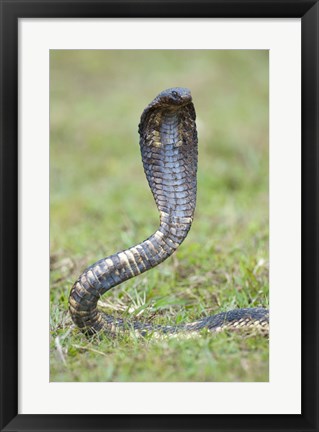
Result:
168,143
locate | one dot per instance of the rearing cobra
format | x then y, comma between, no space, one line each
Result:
168,142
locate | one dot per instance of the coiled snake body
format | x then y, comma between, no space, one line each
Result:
168,142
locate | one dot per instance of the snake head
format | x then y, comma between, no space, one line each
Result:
175,96
172,98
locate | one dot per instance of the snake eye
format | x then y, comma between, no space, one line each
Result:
174,93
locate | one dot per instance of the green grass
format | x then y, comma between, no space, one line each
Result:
100,203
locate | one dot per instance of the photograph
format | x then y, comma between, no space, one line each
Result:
159,215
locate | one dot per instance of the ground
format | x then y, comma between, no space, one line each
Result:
100,203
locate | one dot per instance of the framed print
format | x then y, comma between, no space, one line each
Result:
105,324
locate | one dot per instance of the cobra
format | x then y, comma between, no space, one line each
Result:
168,143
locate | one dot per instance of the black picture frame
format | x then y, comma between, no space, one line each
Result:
11,11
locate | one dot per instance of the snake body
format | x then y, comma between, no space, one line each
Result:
168,143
